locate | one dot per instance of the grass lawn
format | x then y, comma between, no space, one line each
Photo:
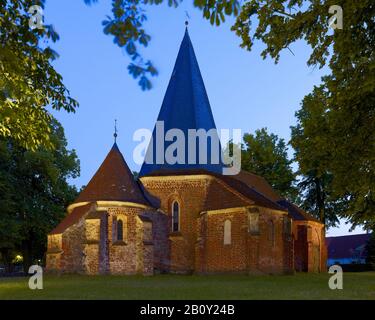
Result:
300,286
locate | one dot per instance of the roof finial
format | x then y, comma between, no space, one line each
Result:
187,18
115,134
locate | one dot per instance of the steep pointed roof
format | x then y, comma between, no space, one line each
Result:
113,182
185,106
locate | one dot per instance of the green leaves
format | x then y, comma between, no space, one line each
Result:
334,136
330,141
126,27
215,11
28,82
139,72
280,23
267,155
34,190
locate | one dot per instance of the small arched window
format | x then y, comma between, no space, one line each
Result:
175,216
227,232
120,230
254,223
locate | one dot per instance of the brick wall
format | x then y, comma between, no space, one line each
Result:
309,246
263,251
160,240
190,193
91,245
199,244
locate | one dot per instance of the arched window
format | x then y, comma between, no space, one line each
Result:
227,232
175,216
254,223
120,230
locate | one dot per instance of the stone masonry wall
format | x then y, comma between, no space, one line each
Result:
91,246
54,251
129,256
73,251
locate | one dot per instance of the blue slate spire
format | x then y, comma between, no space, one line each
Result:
185,106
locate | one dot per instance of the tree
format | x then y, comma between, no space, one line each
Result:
318,151
348,91
28,82
317,195
36,193
267,155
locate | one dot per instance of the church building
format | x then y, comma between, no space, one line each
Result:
183,218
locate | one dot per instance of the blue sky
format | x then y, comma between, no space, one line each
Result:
245,91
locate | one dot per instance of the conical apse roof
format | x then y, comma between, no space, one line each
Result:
113,182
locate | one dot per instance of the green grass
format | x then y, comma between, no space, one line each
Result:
300,286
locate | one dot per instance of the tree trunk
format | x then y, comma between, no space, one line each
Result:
320,200
27,254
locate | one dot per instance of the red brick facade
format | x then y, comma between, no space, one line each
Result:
309,246
183,220
219,231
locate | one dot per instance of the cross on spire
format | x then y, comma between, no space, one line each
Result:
115,134
187,18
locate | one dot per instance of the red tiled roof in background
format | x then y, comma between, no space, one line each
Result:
345,246
219,197
237,184
295,212
258,183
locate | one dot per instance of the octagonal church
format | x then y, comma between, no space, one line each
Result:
183,218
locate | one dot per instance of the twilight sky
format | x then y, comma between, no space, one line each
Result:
245,91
